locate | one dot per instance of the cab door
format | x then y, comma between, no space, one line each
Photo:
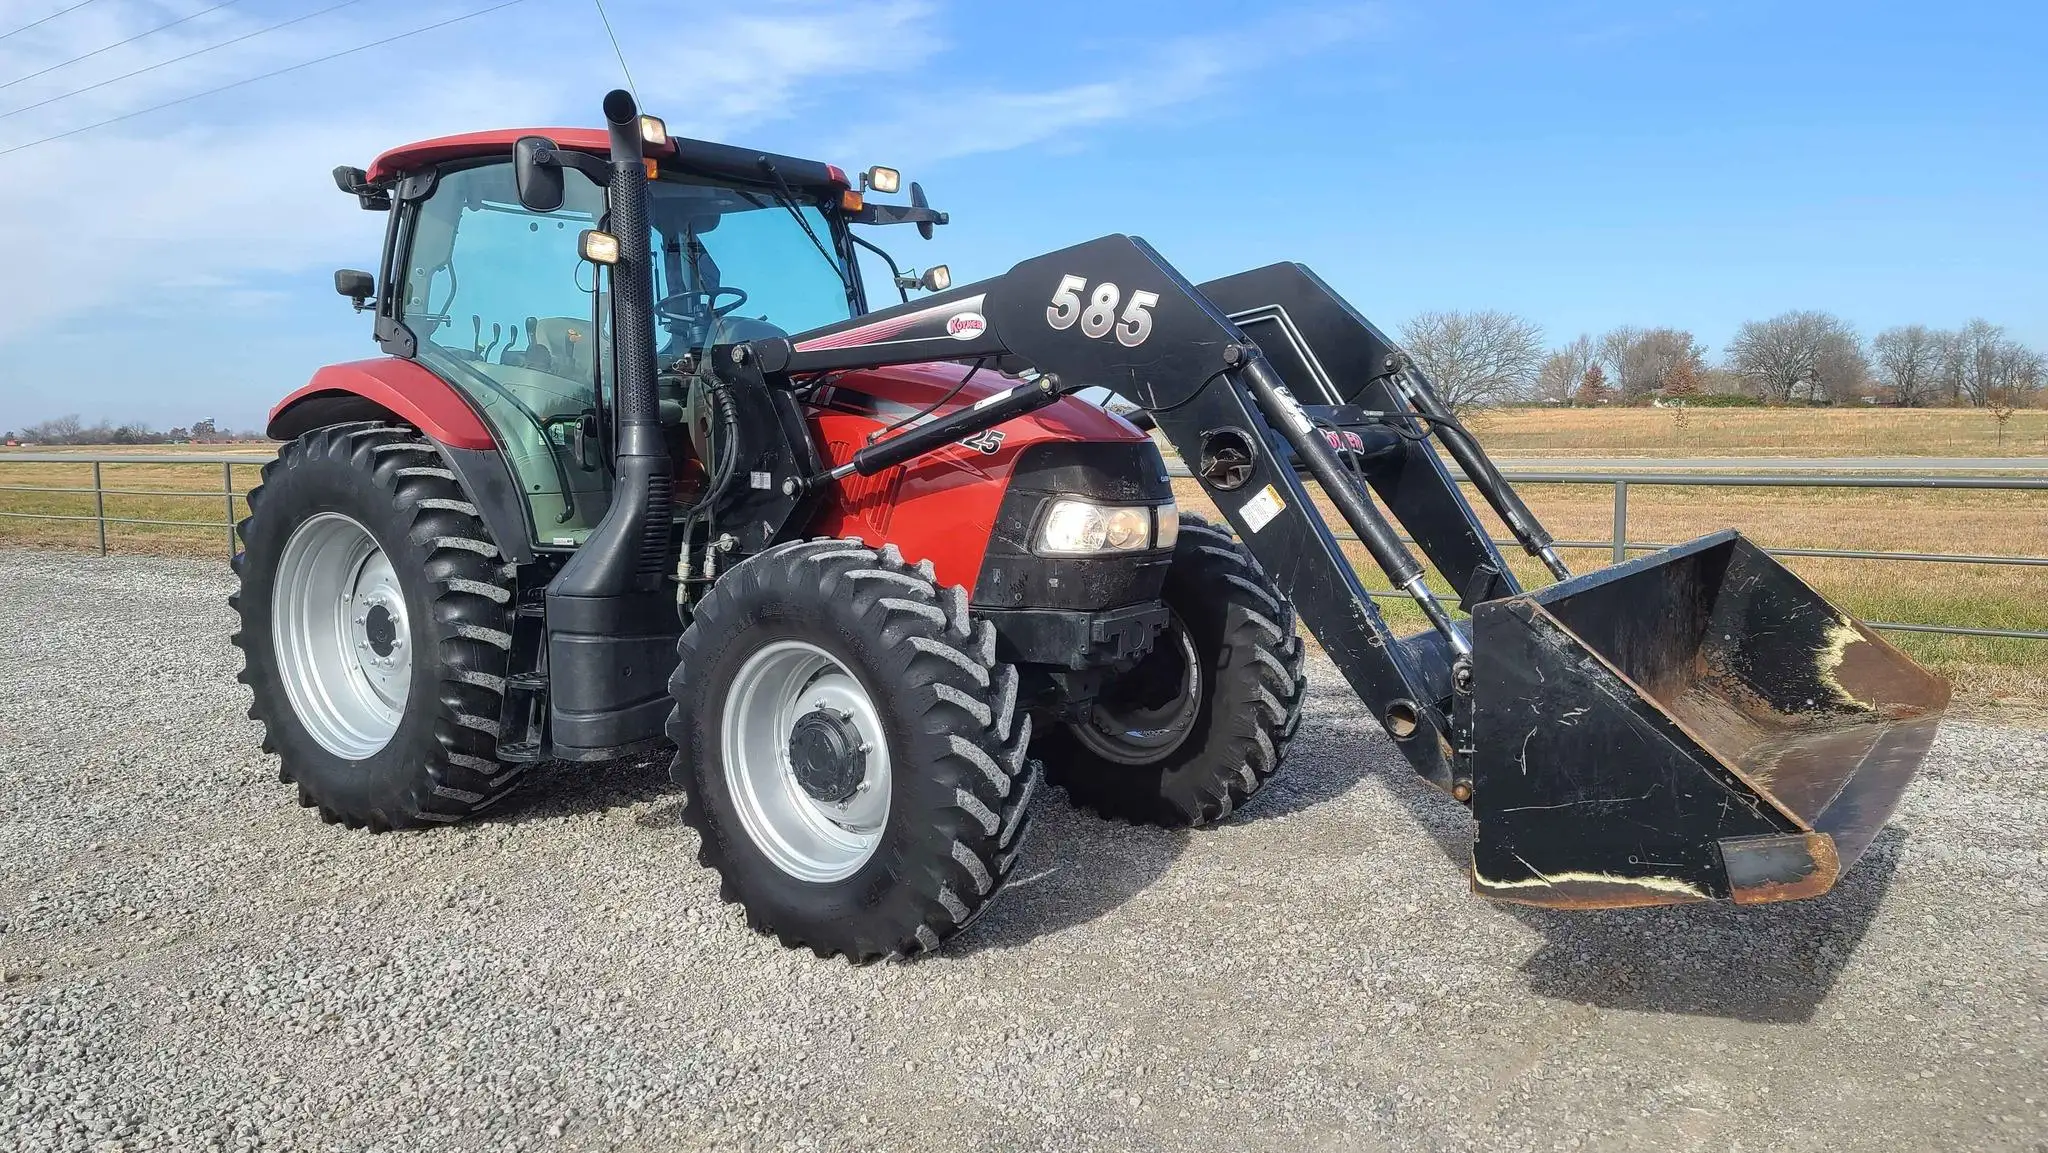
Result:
502,307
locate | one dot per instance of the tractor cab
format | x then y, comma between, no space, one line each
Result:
495,299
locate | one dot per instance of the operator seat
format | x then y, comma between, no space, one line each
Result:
569,344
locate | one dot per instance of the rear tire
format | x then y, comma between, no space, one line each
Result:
387,717
887,851
1175,746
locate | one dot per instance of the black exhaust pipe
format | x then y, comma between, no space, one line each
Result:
612,624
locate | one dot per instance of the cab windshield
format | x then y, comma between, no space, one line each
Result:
736,263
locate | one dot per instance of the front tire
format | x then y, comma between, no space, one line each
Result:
851,752
375,624
1204,720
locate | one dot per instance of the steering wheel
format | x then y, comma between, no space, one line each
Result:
692,304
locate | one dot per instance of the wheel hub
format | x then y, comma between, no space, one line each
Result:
379,631
341,635
827,755
806,758
375,609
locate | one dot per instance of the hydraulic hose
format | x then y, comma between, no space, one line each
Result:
1408,382
1284,413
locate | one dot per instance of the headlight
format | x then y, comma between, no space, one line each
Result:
1078,528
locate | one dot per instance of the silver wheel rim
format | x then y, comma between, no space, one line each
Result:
808,838
343,643
1137,735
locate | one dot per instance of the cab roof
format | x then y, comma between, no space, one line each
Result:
701,156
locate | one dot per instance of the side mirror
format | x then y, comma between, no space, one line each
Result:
917,200
357,285
537,173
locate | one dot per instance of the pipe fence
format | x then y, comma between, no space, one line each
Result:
1619,546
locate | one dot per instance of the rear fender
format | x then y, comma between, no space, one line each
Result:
404,392
402,388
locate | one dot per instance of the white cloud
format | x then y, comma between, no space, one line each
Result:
145,216
735,70
1127,83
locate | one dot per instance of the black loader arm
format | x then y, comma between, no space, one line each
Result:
1112,313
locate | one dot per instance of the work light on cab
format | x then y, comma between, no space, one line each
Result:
598,247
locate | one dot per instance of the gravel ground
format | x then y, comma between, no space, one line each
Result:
193,962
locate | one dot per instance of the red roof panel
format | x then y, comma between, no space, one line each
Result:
496,142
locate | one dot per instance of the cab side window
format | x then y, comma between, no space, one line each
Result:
502,307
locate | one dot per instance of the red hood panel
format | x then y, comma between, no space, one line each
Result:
942,506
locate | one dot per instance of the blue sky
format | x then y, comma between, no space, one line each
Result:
1586,164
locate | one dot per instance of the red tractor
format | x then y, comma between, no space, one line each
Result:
642,462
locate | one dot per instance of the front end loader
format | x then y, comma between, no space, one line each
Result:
877,572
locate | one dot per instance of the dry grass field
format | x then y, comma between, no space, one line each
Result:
1991,674
1760,432
139,490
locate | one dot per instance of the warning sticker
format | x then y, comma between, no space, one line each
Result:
1259,511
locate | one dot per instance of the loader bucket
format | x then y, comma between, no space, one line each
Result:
1694,725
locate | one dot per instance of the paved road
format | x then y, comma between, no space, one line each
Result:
1776,463
192,962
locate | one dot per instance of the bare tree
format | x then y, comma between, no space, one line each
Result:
1562,370
1799,354
1617,352
2020,371
1908,359
1722,382
1662,353
1475,358
1842,371
63,430
1641,360
1982,360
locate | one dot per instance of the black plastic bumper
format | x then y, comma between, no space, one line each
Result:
1075,638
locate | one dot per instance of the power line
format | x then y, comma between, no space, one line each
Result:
119,43
179,59
615,47
45,20
266,76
